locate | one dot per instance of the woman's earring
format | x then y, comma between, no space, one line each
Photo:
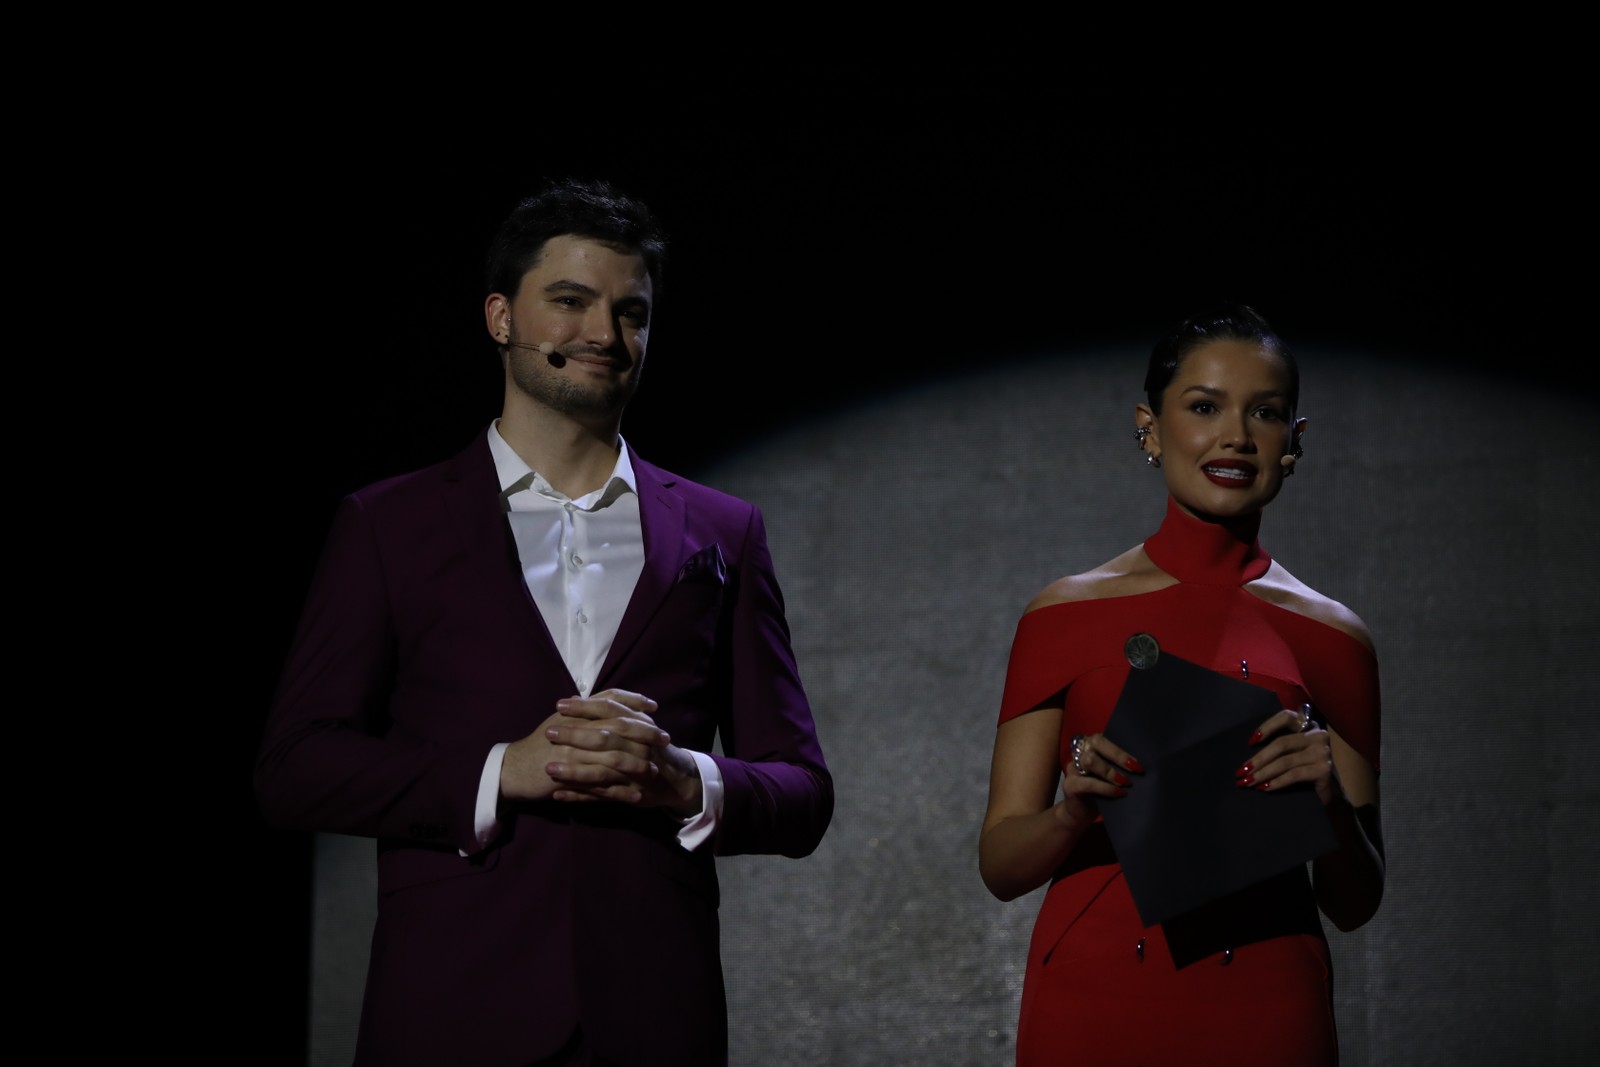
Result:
1140,435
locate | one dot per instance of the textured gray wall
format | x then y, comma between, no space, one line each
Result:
1456,515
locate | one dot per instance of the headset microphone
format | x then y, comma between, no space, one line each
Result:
545,349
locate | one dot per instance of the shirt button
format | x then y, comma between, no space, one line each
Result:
582,618
577,560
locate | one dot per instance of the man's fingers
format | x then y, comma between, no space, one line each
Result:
620,733
624,794
624,719
606,769
606,704
627,698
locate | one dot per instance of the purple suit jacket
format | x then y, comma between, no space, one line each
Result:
418,649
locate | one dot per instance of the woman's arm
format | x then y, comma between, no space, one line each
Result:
1349,881
1027,834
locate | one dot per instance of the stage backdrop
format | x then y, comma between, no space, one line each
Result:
1455,513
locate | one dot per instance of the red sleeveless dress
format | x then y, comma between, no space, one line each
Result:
1248,979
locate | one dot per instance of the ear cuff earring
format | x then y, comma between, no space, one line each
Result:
1140,434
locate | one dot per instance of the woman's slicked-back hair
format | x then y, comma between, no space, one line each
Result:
1226,320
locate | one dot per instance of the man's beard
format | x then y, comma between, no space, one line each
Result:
532,373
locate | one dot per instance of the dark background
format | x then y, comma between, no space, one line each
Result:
839,233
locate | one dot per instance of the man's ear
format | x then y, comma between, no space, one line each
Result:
497,317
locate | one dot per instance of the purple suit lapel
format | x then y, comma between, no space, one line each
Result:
472,495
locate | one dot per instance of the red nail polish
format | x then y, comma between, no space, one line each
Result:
1134,765
1246,769
1255,737
1120,779
1248,779
1264,786
1122,792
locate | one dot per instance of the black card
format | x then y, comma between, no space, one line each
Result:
1186,833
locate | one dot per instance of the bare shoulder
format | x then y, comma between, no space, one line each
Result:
1129,574
1280,587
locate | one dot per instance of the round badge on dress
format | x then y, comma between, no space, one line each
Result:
1142,651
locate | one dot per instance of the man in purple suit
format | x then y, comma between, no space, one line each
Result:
512,669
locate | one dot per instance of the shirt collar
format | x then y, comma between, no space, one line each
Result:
515,475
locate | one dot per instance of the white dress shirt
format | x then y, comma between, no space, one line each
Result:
581,559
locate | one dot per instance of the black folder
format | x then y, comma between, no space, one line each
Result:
1186,833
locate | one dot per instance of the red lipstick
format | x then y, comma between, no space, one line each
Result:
1230,473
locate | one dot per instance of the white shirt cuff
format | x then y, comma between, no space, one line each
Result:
486,819
696,829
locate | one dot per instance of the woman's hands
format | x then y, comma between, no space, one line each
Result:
1037,812
1096,769
1297,749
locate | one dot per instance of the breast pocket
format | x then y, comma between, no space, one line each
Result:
692,622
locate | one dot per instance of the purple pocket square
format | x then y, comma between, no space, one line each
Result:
704,566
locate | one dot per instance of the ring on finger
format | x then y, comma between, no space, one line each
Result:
1079,744
1306,721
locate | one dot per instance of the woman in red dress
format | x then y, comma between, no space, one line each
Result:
1245,978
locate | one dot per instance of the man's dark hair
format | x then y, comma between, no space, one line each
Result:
580,208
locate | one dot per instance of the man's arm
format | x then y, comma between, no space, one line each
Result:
778,792
330,759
